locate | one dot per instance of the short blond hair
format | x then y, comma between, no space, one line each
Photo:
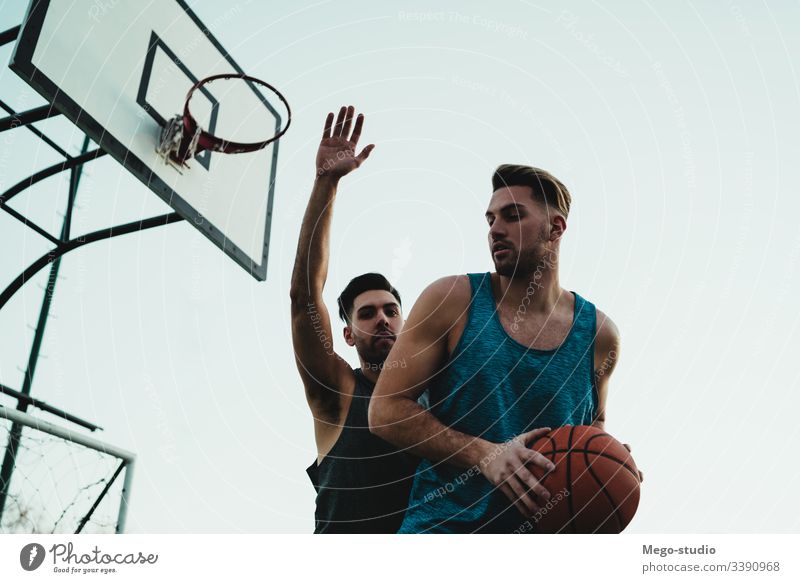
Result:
546,187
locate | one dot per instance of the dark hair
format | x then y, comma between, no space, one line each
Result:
357,286
546,187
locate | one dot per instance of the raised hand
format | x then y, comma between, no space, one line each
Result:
336,154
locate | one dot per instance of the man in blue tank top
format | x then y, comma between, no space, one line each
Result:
362,482
505,356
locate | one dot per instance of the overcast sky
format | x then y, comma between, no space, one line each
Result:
675,127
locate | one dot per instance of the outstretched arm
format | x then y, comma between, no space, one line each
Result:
395,415
323,372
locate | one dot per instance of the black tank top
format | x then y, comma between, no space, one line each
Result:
363,483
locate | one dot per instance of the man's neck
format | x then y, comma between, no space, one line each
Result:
539,291
370,371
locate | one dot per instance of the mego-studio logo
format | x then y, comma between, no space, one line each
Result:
31,556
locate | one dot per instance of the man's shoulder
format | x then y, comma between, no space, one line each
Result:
605,328
607,332
448,291
450,284
442,303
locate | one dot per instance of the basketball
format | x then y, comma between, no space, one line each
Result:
594,487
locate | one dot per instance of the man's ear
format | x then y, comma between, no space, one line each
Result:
558,225
348,336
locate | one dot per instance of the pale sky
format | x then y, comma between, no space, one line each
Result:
675,127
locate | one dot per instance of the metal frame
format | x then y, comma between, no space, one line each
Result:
63,244
128,459
21,63
58,103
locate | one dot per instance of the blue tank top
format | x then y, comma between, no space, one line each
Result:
496,388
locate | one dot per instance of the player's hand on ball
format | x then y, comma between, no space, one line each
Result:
506,468
641,475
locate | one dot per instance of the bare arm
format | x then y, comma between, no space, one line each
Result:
395,415
606,354
323,372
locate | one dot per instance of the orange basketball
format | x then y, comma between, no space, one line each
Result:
594,487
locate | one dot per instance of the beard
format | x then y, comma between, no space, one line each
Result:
523,264
373,350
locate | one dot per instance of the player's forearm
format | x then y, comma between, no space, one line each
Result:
311,262
408,425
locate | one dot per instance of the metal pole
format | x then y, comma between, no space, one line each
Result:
80,241
39,404
8,109
15,434
102,495
127,457
9,35
126,496
24,118
68,164
65,433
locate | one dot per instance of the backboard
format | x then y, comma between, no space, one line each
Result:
118,70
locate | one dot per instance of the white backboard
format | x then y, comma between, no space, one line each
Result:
118,70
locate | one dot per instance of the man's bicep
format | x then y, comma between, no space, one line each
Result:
607,347
410,366
321,369
421,349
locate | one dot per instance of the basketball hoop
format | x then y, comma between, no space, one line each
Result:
182,138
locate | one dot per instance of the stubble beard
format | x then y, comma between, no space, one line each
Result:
523,266
372,354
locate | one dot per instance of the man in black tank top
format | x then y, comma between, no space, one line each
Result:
362,482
